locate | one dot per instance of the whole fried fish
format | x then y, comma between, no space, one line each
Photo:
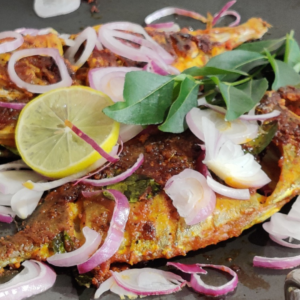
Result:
154,228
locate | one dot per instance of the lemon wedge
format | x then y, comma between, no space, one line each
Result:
51,148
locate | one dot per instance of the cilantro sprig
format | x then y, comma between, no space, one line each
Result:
236,78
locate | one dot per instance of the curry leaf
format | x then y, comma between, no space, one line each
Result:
187,99
147,97
255,89
292,51
260,46
241,60
237,101
284,74
208,71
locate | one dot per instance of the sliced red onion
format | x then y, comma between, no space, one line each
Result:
35,278
281,242
66,38
283,225
153,67
66,79
198,285
12,105
10,45
11,181
149,281
110,284
46,9
241,194
45,186
80,255
228,161
5,199
167,26
110,80
14,165
189,269
251,116
91,142
276,262
6,214
89,36
234,14
295,210
238,131
222,12
25,201
118,178
35,32
148,49
114,236
167,11
129,131
192,197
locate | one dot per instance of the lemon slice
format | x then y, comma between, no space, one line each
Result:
51,148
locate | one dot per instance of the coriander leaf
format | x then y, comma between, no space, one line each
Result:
292,51
207,71
187,99
284,74
255,89
147,97
260,46
237,101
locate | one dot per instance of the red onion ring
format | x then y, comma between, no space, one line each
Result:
148,49
6,214
35,278
149,281
281,242
167,11
91,142
166,27
12,105
222,11
118,178
46,9
66,79
198,285
35,32
189,269
45,186
276,262
10,45
66,38
114,236
110,80
89,35
80,255
14,165
234,14
240,194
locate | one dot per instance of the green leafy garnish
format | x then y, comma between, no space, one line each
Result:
135,186
235,79
58,244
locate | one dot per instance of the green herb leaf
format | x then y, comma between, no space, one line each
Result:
260,46
292,51
187,99
284,74
255,89
209,71
147,97
237,101
241,60
257,145
58,244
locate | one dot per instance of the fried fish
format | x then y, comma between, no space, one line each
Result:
154,228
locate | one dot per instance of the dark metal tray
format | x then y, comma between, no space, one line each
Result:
254,283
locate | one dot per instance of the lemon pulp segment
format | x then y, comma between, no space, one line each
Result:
51,148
